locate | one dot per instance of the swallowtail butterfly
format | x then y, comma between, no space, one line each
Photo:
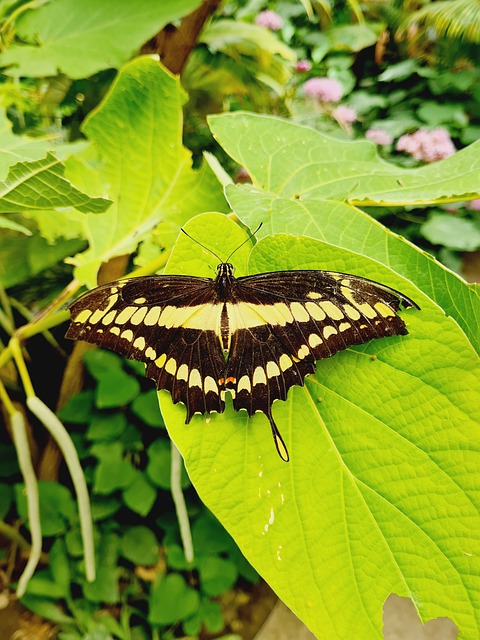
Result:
254,336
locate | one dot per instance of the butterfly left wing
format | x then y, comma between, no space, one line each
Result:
167,322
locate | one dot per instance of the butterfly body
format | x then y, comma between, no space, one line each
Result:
254,336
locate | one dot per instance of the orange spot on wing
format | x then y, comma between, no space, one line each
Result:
230,380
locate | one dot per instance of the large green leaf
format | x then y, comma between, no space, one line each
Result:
290,159
144,168
380,495
82,38
41,184
301,187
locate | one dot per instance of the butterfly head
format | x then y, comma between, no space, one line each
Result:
224,279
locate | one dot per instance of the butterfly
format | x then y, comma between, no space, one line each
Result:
253,336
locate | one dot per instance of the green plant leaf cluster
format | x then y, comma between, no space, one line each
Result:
126,456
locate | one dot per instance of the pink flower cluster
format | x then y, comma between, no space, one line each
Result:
303,66
344,114
269,20
427,145
323,89
379,136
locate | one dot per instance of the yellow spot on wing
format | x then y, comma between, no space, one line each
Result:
152,316
97,315
115,331
140,343
109,318
331,310
139,315
182,373
344,326
272,369
351,312
160,361
329,331
171,366
303,352
244,383
384,310
314,295
315,311
125,315
285,362
299,312
150,353
259,376
314,340
83,316
209,384
127,335
195,380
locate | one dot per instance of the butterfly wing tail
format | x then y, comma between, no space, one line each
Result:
278,440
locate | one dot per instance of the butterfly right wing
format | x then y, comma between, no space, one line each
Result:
167,322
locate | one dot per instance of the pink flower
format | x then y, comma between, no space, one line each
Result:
344,114
379,136
323,89
474,205
426,145
269,20
303,66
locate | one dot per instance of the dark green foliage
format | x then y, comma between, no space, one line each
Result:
127,461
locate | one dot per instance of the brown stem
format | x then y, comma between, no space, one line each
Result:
173,44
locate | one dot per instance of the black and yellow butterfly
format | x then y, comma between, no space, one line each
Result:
254,336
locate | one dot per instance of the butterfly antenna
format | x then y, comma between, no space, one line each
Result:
245,241
202,245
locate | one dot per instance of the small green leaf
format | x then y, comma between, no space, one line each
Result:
140,546
59,566
57,507
100,363
140,495
452,232
171,600
176,557
399,71
211,614
147,409
217,575
42,584
106,426
209,536
79,408
45,608
104,507
159,465
113,472
116,390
